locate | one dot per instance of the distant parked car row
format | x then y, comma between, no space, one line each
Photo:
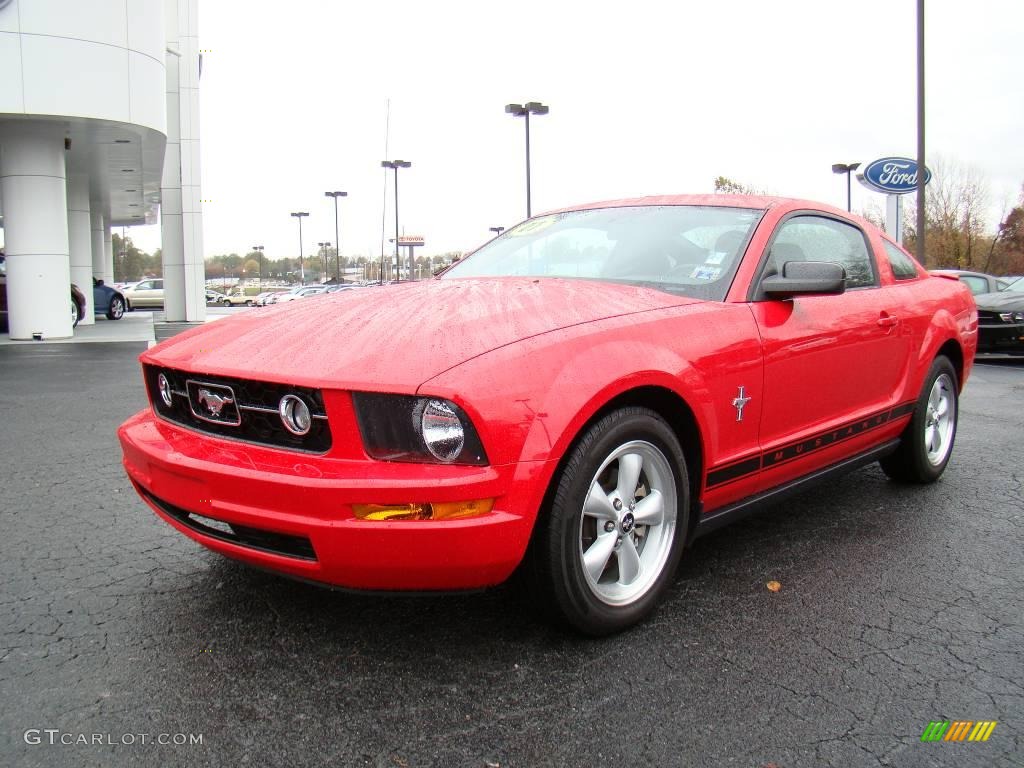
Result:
113,301
300,292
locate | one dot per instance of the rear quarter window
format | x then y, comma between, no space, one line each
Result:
903,267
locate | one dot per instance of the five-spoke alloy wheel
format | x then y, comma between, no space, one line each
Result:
927,442
608,544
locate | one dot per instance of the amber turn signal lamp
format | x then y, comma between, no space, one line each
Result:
445,510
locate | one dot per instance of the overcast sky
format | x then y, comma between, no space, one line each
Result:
645,98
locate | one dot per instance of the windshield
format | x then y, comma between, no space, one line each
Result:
1016,286
689,250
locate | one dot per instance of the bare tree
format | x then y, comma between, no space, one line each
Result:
956,200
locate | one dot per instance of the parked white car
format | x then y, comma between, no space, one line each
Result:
299,292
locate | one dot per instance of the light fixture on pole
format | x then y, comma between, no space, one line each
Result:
259,250
395,164
525,110
497,230
302,269
337,238
846,168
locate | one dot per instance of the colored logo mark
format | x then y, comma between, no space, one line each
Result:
958,730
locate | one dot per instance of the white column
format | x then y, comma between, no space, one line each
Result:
98,227
191,207
180,213
80,241
32,185
107,258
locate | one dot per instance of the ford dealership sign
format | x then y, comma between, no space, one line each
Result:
894,175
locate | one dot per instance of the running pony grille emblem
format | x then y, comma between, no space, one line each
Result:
213,403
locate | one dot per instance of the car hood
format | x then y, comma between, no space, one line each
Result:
1003,301
394,338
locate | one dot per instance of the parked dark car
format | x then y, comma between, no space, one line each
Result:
1001,320
107,301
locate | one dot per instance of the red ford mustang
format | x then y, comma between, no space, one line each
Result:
580,397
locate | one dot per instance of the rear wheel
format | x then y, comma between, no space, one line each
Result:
116,309
927,442
606,550
76,313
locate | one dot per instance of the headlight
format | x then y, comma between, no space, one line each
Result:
165,390
1011,317
442,431
423,429
1018,317
295,414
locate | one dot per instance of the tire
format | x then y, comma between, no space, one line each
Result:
116,309
76,313
593,563
927,442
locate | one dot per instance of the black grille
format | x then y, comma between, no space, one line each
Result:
984,316
250,415
243,535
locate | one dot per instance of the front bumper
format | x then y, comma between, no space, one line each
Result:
1007,338
292,512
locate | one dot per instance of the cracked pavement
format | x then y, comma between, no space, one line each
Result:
899,605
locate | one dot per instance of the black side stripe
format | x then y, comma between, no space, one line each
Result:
740,468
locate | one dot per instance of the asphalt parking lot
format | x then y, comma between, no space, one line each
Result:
899,606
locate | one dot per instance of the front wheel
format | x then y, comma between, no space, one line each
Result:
76,313
927,442
606,549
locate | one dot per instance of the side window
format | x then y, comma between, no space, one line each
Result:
145,285
816,238
158,284
902,265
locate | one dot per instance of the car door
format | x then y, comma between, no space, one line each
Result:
142,294
833,364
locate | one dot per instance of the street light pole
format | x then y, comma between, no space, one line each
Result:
525,110
337,237
395,164
921,217
846,168
324,248
259,250
302,269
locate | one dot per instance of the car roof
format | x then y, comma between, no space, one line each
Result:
761,202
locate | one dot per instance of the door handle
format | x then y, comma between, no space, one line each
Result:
886,320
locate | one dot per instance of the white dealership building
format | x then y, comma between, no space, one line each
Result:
99,128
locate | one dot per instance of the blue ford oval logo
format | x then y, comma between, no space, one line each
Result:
895,175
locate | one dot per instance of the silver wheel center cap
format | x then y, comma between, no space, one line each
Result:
627,522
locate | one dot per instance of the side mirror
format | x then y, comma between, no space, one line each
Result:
96,281
805,278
